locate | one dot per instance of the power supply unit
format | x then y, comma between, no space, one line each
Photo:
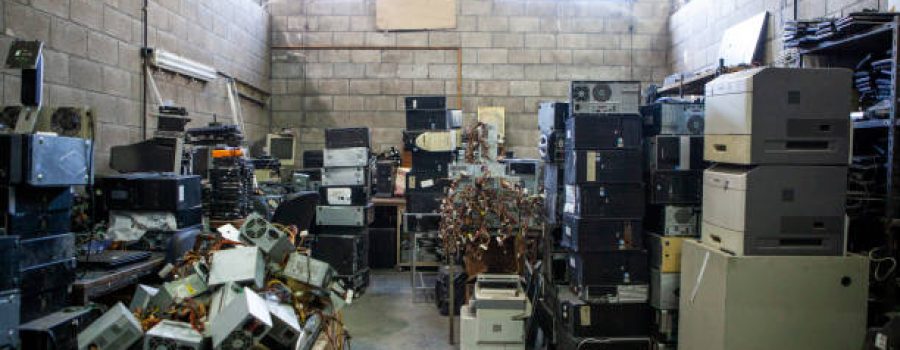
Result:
274,243
142,296
174,291
285,326
222,296
239,264
241,323
116,329
173,335
303,269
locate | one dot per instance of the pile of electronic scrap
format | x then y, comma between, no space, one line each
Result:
240,289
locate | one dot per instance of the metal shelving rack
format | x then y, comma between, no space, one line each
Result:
845,52
416,277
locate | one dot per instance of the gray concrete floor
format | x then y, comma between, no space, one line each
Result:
385,317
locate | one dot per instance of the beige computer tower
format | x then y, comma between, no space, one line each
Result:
771,302
779,116
775,210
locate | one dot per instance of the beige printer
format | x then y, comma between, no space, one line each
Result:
779,116
494,319
775,210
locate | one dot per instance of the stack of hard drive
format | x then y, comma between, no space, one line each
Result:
773,217
602,220
37,250
552,118
674,153
344,212
432,139
230,185
154,211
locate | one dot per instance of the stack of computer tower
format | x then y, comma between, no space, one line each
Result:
344,212
37,249
772,265
602,220
230,185
153,211
673,149
431,138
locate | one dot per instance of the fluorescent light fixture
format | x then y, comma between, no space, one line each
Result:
171,62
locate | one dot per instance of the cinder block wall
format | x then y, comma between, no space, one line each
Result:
696,28
92,57
515,54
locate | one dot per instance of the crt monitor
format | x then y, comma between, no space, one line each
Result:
281,147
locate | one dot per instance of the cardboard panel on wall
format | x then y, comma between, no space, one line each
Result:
415,14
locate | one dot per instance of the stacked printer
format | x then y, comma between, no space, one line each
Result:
345,213
153,211
771,265
37,249
431,138
602,220
673,149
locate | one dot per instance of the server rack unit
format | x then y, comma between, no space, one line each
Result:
345,209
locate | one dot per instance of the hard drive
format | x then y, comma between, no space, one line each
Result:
674,118
151,191
344,195
44,160
58,330
676,186
425,102
605,200
665,289
10,306
116,329
424,202
592,319
345,176
601,234
30,199
675,152
346,157
605,97
616,166
345,215
346,138
429,119
347,254
609,268
603,132
437,162
552,116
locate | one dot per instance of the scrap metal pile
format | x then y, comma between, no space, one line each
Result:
252,288
485,212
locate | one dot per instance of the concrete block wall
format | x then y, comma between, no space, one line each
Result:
696,27
515,54
92,57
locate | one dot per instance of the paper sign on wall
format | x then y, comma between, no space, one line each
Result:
415,14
